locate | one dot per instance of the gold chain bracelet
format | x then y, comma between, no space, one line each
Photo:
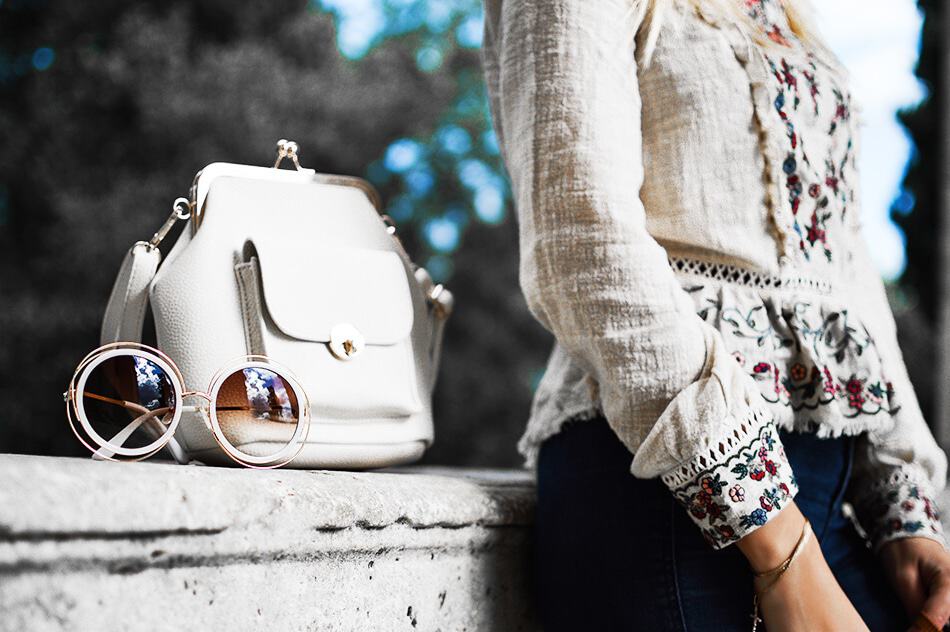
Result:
778,571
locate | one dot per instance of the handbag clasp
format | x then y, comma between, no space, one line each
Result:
287,149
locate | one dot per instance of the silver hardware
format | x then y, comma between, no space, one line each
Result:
346,341
390,224
442,308
181,210
287,149
433,293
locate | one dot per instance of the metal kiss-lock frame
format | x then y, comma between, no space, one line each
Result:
107,450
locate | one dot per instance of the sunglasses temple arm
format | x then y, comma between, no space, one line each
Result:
122,436
175,449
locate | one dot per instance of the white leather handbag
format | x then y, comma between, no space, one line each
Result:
303,268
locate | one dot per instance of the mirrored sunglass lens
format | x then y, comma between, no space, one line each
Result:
257,411
129,401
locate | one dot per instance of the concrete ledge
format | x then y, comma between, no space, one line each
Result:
152,546
149,546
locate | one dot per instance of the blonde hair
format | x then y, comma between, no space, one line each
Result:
653,14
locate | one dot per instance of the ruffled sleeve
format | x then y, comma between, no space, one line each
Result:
899,469
563,89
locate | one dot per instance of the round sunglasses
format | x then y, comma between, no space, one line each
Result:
125,401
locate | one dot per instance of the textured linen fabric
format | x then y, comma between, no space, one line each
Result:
690,233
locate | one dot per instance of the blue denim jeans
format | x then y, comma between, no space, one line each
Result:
614,552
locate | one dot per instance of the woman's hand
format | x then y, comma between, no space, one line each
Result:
807,596
919,569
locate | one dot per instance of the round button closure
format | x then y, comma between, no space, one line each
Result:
345,341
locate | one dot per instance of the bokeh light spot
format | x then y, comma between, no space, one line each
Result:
904,202
401,208
428,59
490,142
454,139
442,234
402,155
490,204
469,32
439,267
474,173
419,181
43,58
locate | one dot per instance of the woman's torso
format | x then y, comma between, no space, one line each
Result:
750,177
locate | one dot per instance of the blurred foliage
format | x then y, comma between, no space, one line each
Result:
919,210
109,108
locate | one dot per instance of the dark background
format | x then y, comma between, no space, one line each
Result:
108,109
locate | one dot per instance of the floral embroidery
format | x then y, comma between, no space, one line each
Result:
760,11
898,507
863,395
842,111
812,84
741,491
811,217
803,355
815,232
817,366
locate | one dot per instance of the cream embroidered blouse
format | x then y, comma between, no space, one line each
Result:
690,233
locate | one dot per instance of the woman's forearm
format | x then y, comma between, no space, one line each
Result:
769,545
806,596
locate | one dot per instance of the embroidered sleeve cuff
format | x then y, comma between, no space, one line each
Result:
900,505
738,486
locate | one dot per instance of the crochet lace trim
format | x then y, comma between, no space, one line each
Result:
745,276
740,431
899,505
906,475
737,486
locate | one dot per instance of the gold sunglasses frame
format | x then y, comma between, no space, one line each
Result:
75,411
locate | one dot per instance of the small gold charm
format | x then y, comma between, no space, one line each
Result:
756,619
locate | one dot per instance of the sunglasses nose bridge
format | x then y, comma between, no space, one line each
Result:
203,411
202,395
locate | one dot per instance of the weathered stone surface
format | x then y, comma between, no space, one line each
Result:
148,546
151,546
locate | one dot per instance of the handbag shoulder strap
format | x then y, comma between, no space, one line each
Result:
125,317
125,311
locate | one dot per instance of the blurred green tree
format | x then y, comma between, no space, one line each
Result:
918,210
111,107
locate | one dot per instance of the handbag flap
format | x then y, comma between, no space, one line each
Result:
308,290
